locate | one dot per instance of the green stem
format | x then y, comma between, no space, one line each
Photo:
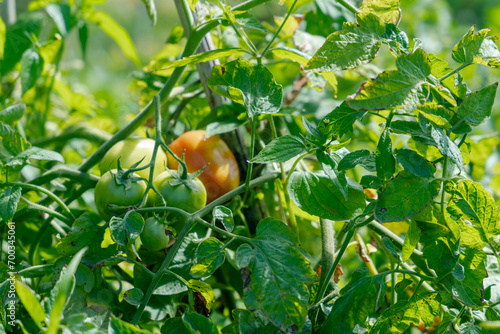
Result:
413,273
252,149
161,271
279,29
49,193
74,175
37,207
461,67
327,249
230,195
290,172
348,6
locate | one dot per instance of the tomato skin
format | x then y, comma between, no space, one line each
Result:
222,174
178,196
153,235
107,191
130,151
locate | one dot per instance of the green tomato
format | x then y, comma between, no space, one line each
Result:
130,151
188,198
153,235
109,192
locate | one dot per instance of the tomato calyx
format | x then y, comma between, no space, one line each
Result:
185,178
127,177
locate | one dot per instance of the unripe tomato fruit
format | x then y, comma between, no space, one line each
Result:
221,175
153,235
108,191
189,199
130,151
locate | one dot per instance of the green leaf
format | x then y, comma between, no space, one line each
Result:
477,207
64,289
34,153
61,15
208,56
201,296
83,37
151,8
413,162
3,32
315,194
9,199
356,302
404,86
127,229
12,113
328,162
224,126
280,149
360,157
387,10
430,113
31,69
384,160
225,216
30,303
447,147
244,83
397,318
405,196
275,275
411,240
83,231
117,33
477,106
118,326
469,289
290,54
253,322
477,48
18,39
356,44
196,323
339,121
192,4
209,256
133,296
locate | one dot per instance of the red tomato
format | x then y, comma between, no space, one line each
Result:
221,175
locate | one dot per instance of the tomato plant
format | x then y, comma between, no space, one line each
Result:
110,191
153,235
189,195
365,132
130,151
221,174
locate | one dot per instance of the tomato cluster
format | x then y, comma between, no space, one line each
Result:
118,191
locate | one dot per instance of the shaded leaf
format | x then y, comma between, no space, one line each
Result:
411,240
397,318
384,159
118,326
9,199
405,196
413,162
356,302
133,296
339,121
201,296
317,195
12,113
360,157
275,275
31,69
31,304
82,233
328,163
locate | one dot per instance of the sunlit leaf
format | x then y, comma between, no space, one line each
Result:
477,48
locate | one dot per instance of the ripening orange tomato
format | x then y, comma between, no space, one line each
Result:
221,175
